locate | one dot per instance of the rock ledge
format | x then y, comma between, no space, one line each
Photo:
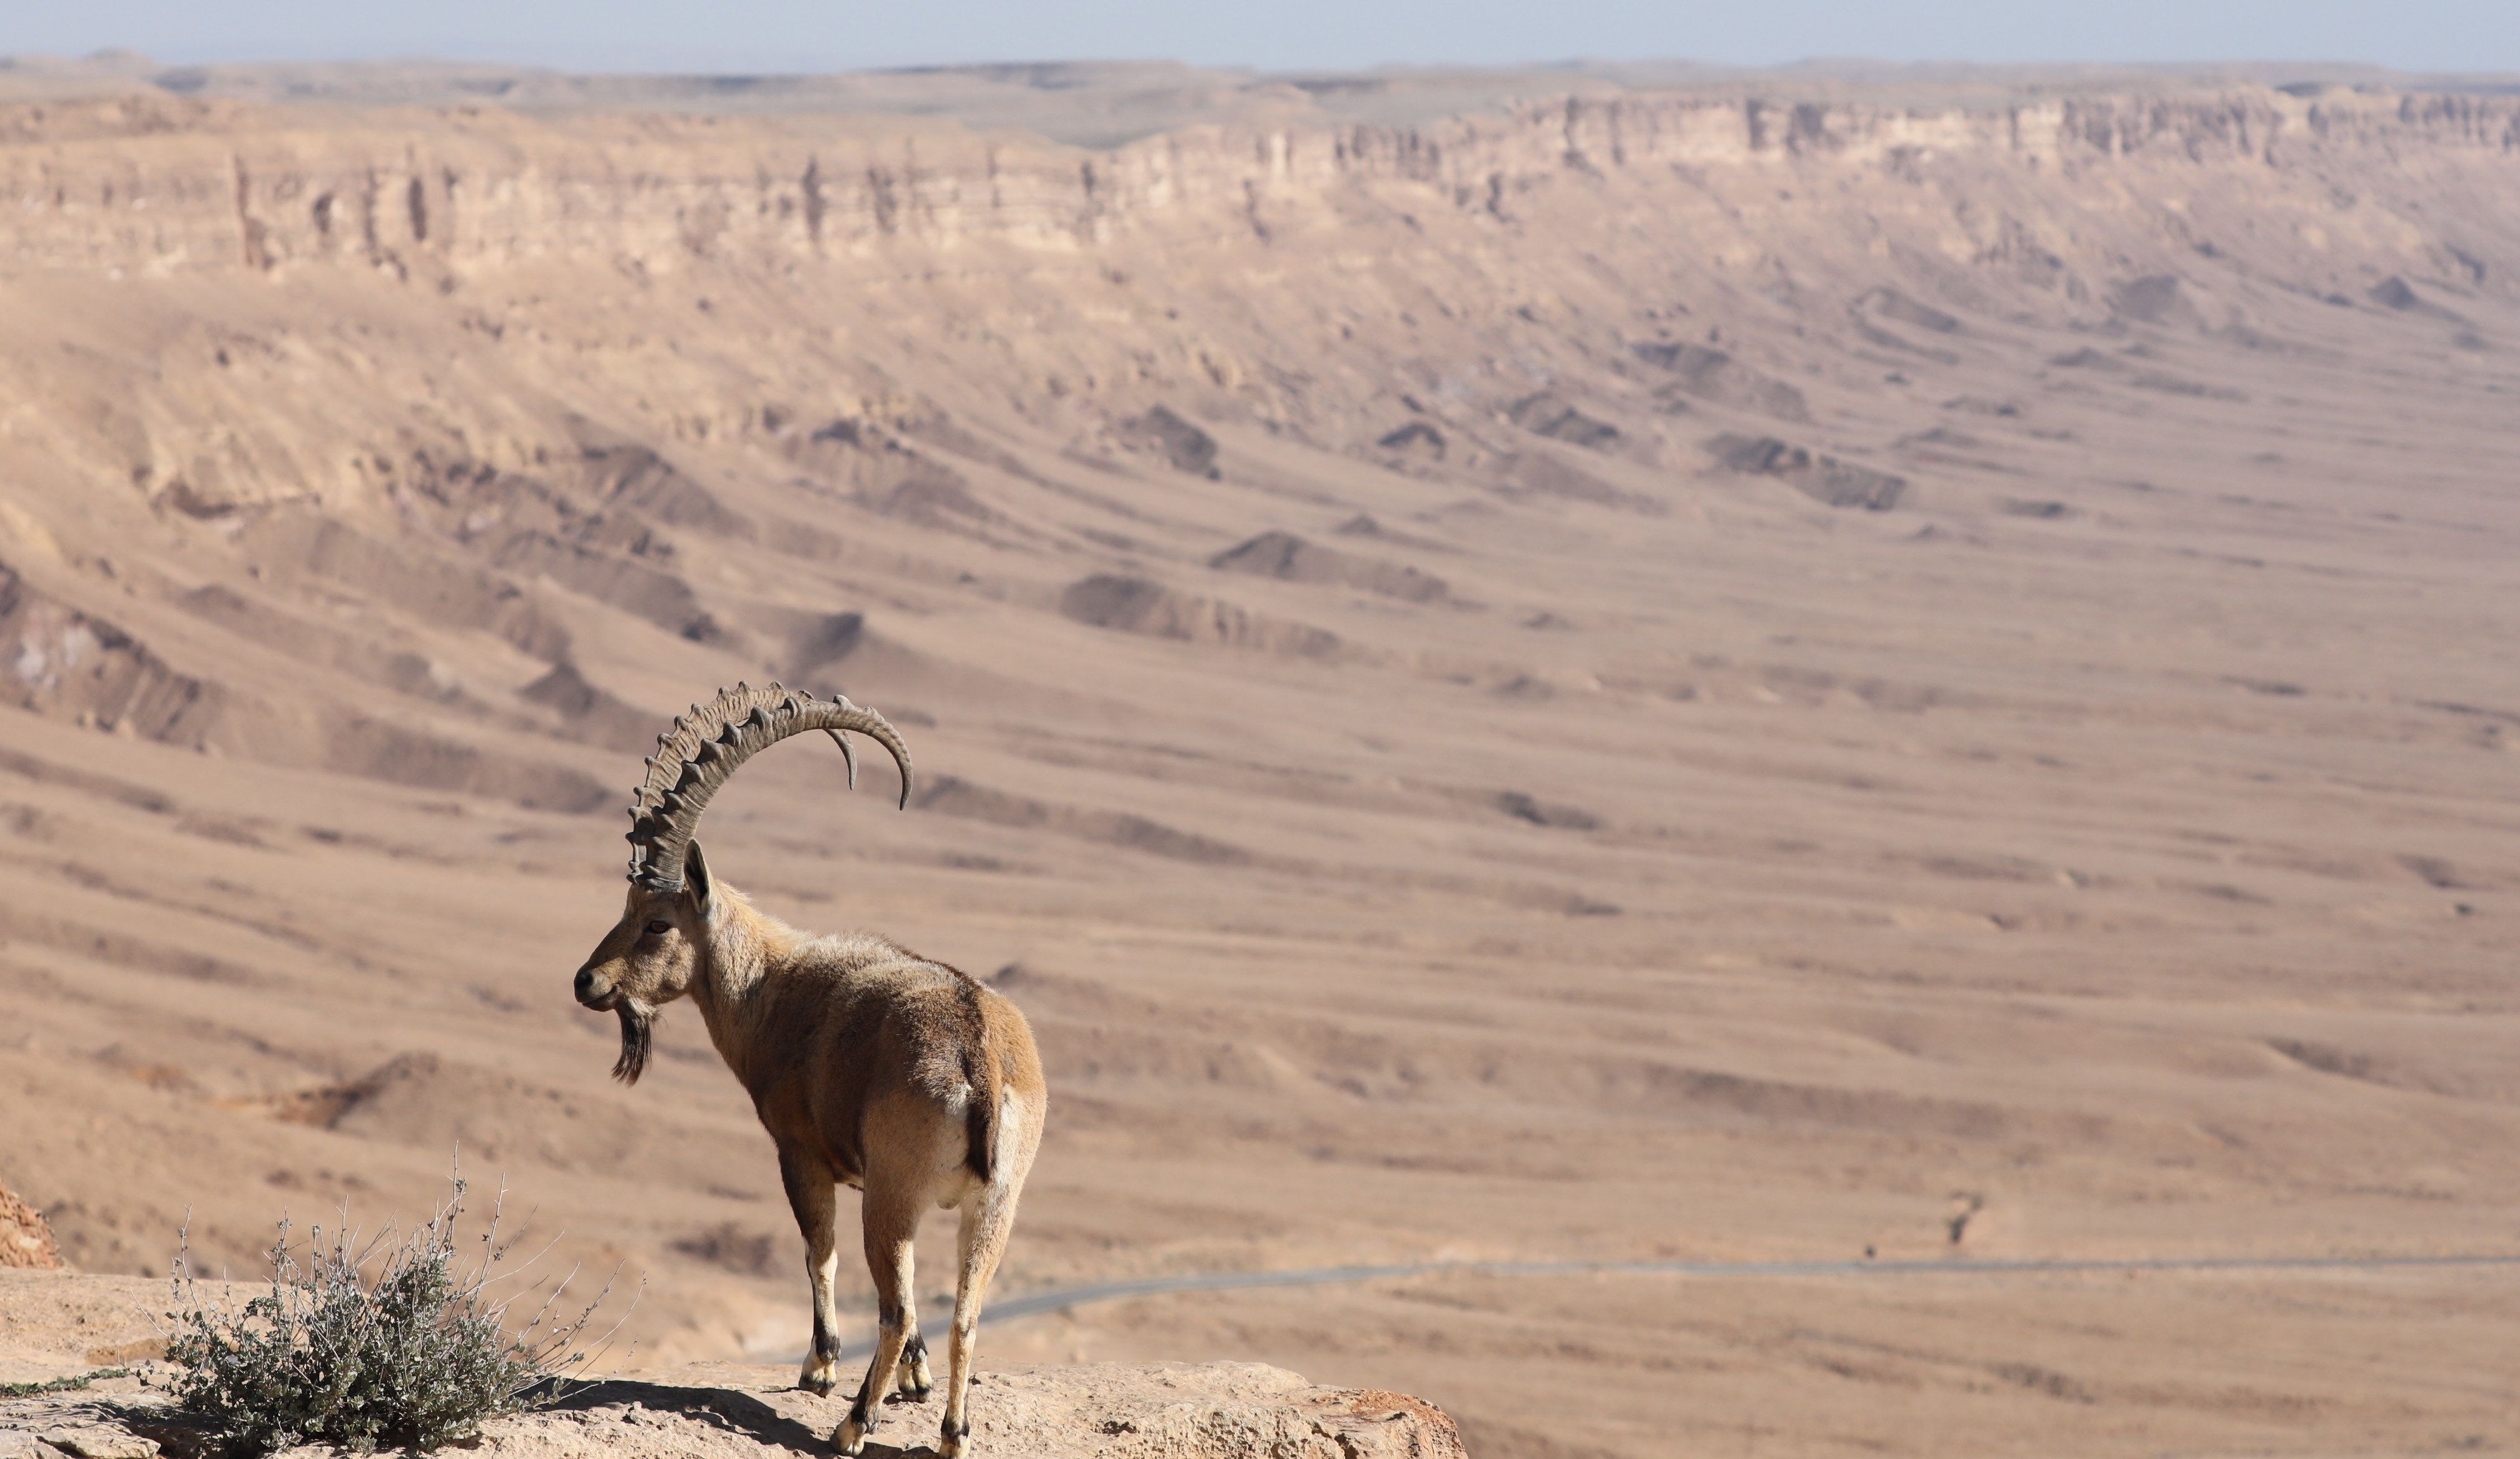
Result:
715,1411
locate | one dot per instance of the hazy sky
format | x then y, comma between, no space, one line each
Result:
837,34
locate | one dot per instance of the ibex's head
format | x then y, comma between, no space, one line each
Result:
651,954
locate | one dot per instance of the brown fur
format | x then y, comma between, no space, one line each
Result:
870,1066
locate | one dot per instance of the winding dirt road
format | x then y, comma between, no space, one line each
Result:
1067,1299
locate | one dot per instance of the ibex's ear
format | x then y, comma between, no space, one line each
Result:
698,894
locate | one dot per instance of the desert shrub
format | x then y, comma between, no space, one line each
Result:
362,1342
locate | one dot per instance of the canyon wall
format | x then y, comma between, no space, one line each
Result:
163,185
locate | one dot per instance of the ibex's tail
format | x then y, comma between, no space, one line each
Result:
980,1071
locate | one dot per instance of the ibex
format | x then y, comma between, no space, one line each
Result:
869,1065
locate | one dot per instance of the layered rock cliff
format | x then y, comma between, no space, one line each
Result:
157,184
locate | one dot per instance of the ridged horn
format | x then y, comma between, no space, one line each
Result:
709,744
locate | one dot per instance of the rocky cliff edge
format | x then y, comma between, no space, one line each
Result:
58,1324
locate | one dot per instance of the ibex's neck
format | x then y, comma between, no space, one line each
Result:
744,950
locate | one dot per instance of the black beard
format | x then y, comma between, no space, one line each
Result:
638,1025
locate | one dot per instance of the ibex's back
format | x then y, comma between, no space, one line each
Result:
869,1065
859,1020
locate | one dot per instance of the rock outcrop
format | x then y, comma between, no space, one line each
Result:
1823,479
26,1239
1283,555
1135,605
59,1326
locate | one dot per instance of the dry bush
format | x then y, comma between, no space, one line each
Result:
366,1341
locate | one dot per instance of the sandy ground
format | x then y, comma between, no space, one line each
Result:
1571,835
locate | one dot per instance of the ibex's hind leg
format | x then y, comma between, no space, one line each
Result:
988,1218
916,1382
814,1196
890,1226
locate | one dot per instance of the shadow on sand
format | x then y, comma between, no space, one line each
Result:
751,1414
758,1417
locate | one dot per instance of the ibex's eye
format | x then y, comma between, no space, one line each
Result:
659,928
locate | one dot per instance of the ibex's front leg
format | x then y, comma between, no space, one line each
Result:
813,1195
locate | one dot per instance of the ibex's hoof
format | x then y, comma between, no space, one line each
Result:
915,1383
951,1439
818,1381
853,1430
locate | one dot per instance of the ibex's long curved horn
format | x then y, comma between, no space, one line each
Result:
704,749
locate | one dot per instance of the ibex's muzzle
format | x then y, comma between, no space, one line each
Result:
592,991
